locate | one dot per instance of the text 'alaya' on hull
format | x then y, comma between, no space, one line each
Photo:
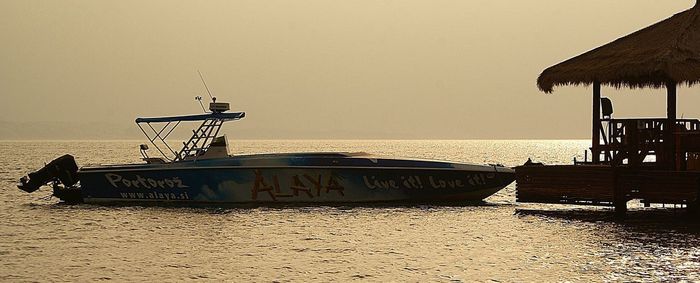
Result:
203,173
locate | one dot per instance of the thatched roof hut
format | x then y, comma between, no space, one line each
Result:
664,54
667,52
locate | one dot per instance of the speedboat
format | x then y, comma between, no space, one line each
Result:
203,172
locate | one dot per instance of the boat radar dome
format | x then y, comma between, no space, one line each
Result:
219,107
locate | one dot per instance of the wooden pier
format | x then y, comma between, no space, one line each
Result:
605,185
655,160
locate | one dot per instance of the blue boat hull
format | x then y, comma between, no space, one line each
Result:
289,184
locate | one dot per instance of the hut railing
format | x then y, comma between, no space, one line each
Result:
631,141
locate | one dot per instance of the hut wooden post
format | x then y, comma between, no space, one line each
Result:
671,117
595,137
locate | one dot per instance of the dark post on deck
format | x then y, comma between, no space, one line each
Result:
671,117
595,137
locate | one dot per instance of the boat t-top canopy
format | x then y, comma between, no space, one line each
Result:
195,117
201,139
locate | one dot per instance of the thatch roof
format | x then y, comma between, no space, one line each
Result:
666,52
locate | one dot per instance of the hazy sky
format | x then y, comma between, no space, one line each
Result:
460,69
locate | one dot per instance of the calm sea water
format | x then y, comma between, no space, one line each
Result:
501,240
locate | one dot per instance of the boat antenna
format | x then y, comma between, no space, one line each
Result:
205,86
199,98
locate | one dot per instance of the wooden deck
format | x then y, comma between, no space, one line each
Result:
604,185
643,159
572,184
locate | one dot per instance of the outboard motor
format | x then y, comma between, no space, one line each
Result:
62,169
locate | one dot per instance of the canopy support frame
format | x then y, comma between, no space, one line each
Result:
204,135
